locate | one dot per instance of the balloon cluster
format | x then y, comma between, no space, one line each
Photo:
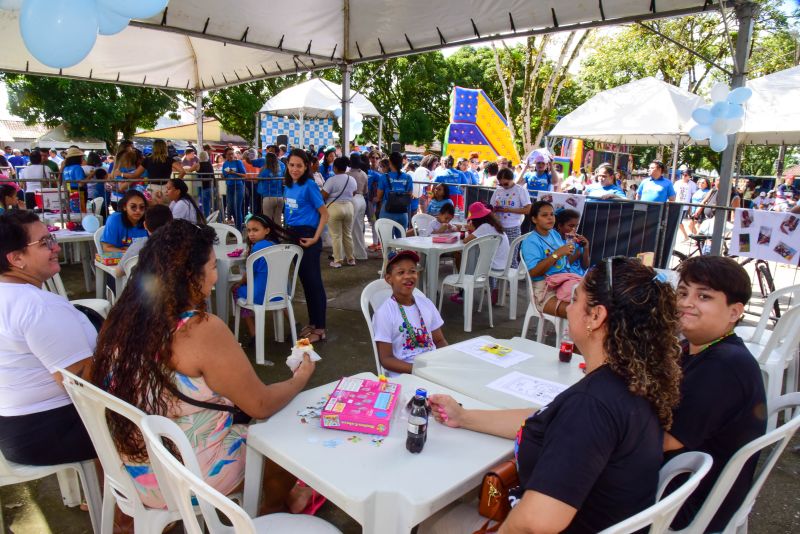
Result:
356,122
60,33
724,116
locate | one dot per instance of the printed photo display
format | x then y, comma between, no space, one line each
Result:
563,200
766,235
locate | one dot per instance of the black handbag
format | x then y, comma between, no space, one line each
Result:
398,202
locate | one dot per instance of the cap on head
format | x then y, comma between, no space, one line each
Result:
401,255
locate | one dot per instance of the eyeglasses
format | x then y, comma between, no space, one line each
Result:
48,241
474,161
136,207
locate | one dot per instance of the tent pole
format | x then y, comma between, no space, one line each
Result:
745,13
346,72
380,133
675,158
303,131
257,128
198,114
781,161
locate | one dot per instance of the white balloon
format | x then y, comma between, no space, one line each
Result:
720,126
719,92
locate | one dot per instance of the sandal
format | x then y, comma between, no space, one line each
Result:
317,335
306,330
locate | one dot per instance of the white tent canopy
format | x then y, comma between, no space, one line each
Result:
772,115
200,45
57,138
315,99
642,112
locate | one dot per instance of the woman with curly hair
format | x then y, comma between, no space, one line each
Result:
186,365
591,457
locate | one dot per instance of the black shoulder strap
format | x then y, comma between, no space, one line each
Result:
201,404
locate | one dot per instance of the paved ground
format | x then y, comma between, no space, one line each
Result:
36,508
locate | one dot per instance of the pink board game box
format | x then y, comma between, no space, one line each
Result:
445,238
361,405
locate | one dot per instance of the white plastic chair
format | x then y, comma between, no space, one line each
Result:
557,322
755,334
372,297
778,356
224,230
101,306
421,220
184,480
95,206
283,263
100,268
212,217
778,439
659,516
386,230
119,489
510,277
479,279
13,473
127,268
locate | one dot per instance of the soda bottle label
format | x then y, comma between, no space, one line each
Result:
417,428
566,346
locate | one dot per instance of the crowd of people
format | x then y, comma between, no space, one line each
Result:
665,371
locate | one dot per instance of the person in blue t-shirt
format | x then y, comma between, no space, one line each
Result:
393,188
546,253
606,187
233,171
326,165
270,187
125,225
567,226
453,178
441,196
656,188
305,216
539,179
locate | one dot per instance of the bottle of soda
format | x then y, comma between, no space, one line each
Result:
417,422
565,352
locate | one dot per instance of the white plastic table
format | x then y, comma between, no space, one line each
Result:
385,488
467,374
84,241
224,264
433,252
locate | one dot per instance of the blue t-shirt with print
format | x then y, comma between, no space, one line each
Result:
576,266
72,175
260,273
659,190
274,187
435,206
537,247
396,182
231,180
373,177
473,177
302,204
118,235
326,171
452,177
596,191
537,182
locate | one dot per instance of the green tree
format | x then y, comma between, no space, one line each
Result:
87,109
415,127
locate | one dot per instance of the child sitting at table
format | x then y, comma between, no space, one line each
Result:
406,324
482,222
439,225
262,232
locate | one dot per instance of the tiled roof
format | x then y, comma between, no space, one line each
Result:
19,130
794,170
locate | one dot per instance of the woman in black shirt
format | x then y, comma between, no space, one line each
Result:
159,166
591,457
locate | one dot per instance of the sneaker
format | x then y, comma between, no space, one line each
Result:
458,299
335,264
351,261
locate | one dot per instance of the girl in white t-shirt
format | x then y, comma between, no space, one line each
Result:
406,324
481,222
511,202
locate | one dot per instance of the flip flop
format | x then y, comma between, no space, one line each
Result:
316,501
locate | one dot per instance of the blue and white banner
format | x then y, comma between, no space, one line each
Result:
318,132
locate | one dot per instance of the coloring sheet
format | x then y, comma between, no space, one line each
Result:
492,352
537,391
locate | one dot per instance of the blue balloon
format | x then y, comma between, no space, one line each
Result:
58,33
90,223
110,23
735,111
700,132
337,112
702,115
740,95
718,142
720,109
133,9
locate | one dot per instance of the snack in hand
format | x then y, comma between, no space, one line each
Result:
304,345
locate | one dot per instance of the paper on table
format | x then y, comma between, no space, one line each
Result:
488,351
536,390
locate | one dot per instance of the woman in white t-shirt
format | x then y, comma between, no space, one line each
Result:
481,222
338,193
181,203
39,176
405,324
424,173
39,333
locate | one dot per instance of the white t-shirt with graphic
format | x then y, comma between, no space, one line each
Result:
515,197
388,325
684,190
